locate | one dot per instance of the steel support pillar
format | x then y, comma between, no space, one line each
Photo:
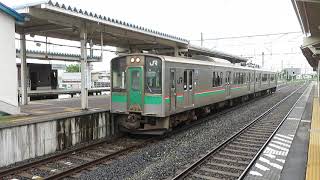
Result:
23,70
176,51
84,67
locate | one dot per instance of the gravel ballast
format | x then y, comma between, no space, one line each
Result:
163,159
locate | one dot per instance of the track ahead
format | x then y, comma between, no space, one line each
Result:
233,158
87,157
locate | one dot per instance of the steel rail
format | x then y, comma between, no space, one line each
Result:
200,161
76,169
245,172
29,165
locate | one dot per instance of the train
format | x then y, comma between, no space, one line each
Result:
152,94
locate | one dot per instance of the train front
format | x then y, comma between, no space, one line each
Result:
136,93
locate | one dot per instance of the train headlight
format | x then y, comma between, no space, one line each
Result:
132,60
138,60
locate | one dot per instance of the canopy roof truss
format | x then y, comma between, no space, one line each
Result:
308,13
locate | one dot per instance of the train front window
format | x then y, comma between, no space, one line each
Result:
153,68
135,80
118,74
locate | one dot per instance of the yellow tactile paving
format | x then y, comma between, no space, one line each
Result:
313,166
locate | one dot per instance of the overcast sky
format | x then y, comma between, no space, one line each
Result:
215,18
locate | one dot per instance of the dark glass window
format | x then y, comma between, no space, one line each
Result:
118,68
153,69
190,80
272,77
135,80
264,77
185,80
214,79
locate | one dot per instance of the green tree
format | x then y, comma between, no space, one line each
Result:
73,68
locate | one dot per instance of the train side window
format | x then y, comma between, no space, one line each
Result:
227,79
190,80
172,79
221,76
264,77
217,80
243,76
213,79
185,80
118,67
272,77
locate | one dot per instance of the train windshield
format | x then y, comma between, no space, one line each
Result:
153,68
118,73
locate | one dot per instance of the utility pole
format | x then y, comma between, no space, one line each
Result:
201,39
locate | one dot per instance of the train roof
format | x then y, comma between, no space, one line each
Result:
200,61
212,61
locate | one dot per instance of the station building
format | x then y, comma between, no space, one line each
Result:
8,88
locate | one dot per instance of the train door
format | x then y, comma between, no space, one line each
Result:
173,90
227,85
135,89
188,88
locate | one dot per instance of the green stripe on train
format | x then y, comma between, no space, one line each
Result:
152,99
210,93
118,97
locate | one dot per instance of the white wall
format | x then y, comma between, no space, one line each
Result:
8,69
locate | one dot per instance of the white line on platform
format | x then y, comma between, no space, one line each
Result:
270,163
281,139
301,107
281,160
280,143
284,136
278,147
269,151
263,168
306,121
295,119
269,155
255,173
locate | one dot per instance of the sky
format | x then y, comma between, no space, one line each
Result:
215,19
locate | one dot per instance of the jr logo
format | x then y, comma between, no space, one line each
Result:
154,63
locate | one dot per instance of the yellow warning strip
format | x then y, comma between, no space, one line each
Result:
313,166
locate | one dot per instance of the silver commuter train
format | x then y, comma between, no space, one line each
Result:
151,94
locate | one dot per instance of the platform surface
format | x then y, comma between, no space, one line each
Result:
64,105
285,156
54,109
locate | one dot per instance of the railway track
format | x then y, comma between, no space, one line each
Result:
71,163
233,158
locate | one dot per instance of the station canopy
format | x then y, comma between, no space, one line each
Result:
57,20
308,13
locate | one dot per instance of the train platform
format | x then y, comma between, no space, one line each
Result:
293,152
55,109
